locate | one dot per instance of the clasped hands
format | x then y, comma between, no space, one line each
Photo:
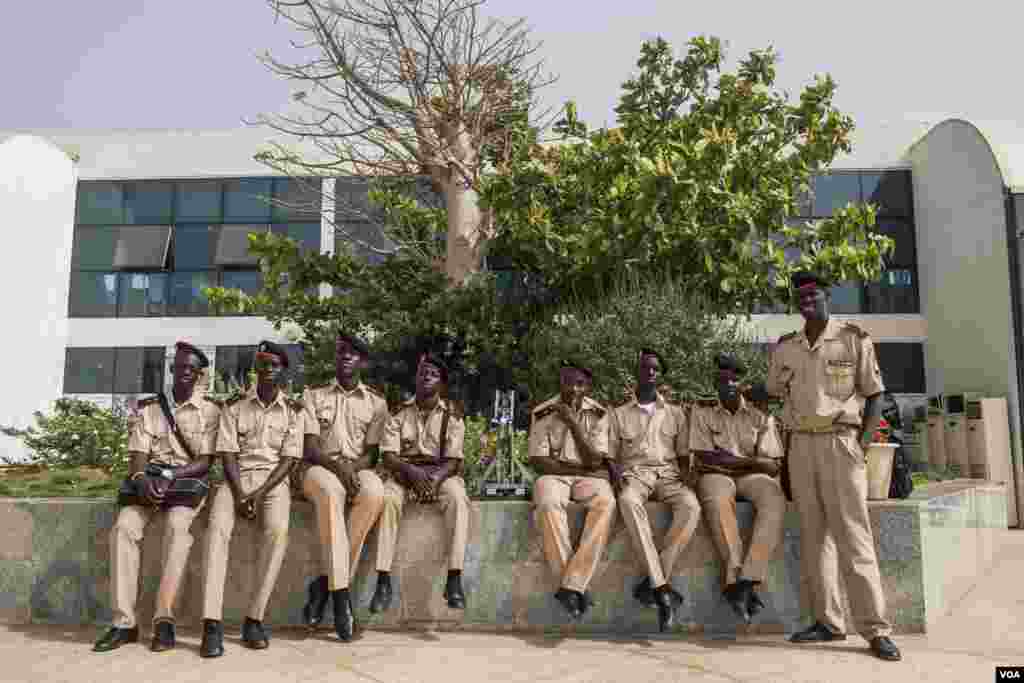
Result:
424,485
154,489
719,457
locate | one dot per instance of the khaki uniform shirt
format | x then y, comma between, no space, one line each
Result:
416,436
260,434
641,441
197,418
827,383
747,433
345,421
550,436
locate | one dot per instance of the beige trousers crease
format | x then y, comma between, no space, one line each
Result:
642,486
829,480
551,496
273,518
125,559
341,543
454,503
718,493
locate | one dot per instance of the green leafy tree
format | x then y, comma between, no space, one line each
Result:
77,434
697,182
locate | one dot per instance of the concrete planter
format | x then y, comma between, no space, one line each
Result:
879,459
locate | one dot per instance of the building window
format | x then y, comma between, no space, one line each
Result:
833,191
141,295
306,234
198,201
233,364
186,293
902,366
297,200
130,370
93,295
247,200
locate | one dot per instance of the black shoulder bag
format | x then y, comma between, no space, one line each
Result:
183,492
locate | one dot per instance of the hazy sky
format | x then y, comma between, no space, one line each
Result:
191,63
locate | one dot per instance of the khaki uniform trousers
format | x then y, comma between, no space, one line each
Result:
828,475
551,495
272,516
663,485
718,493
125,536
340,547
454,504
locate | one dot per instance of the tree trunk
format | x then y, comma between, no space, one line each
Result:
466,231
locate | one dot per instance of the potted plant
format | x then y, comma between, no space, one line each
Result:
879,456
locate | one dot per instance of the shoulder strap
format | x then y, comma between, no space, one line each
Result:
444,435
166,410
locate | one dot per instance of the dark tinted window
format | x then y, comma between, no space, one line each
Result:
92,295
233,364
186,292
306,234
834,191
195,246
902,367
139,370
902,232
249,281
199,201
148,202
142,247
889,191
233,245
895,292
297,199
93,247
89,371
100,203
247,200
142,294
847,298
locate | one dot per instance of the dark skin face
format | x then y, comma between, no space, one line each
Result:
813,304
728,384
346,362
648,372
428,382
186,371
268,373
574,386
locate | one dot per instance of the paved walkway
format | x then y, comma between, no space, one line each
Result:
985,630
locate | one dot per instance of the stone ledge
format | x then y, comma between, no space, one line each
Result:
932,548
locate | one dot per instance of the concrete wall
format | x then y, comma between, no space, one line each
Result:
932,548
963,265
37,197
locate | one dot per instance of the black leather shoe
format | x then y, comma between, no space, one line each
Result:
253,635
163,637
344,618
381,599
316,602
666,608
818,633
885,649
115,638
453,591
644,594
570,600
213,639
738,595
754,604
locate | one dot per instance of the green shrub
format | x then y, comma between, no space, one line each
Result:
77,434
476,463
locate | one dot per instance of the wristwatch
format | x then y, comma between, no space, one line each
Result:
167,473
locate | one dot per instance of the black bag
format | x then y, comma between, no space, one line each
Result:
902,484
184,492
787,487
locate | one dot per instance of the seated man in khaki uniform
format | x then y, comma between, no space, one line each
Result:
152,440
647,438
829,378
737,452
421,454
259,441
568,445
338,469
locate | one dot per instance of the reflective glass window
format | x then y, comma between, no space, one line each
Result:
198,201
834,191
847,297
142,294
88,371
233,365
195,246
186,292
100,203
902,232
249,281
92,295
351,202
297,199
93,247
306,234
141,247
148,202
889,191
233,245
902,366
895,292
247,200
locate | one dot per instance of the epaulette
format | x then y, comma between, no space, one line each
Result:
540,413
787,336
152,400
856,330
375,391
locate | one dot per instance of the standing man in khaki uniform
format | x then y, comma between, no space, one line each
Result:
647,438
421,457
259,441
736,450
829,379
338,469
152,441
568,445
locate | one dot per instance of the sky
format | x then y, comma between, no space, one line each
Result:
143,64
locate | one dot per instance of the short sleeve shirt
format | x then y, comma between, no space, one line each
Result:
747,433
550,436
262,435
415,435
826,383
197,418
639,439
346,421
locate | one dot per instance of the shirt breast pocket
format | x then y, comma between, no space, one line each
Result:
839,378
276,435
